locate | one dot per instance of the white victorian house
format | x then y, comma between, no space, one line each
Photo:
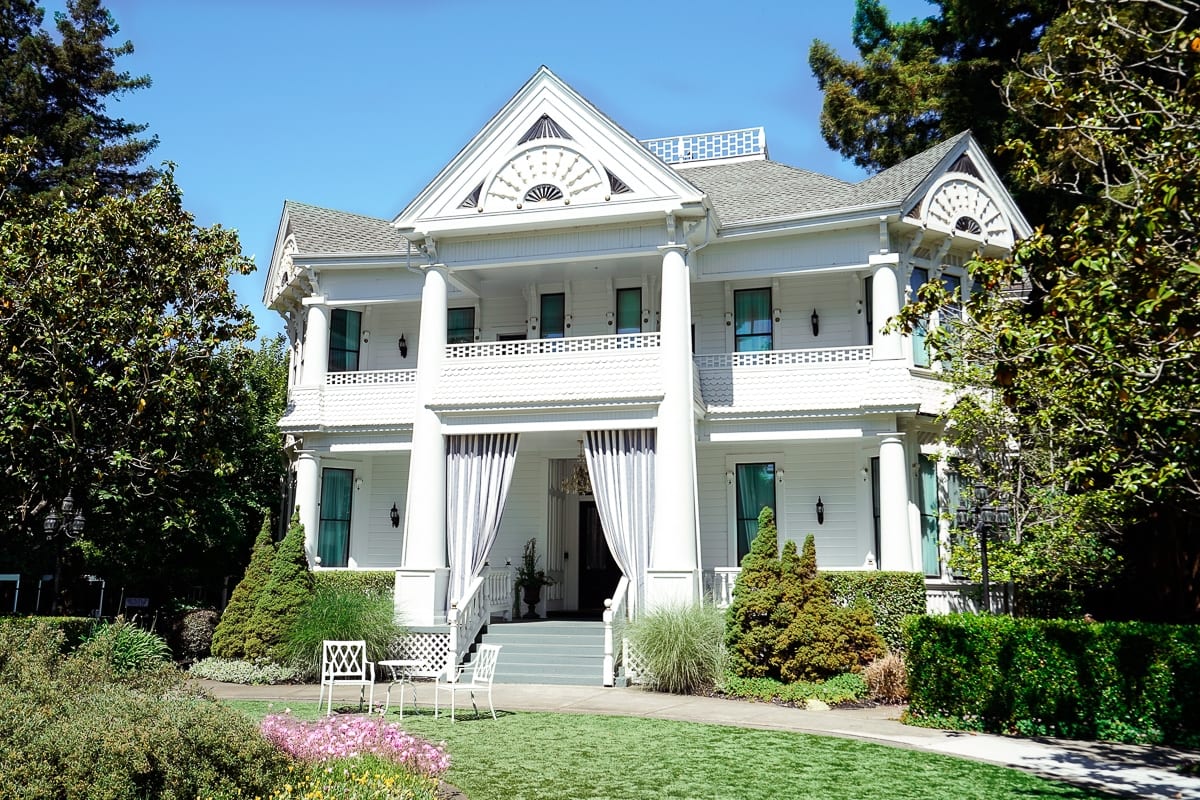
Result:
699,324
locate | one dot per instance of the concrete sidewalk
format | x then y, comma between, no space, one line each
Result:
1131,770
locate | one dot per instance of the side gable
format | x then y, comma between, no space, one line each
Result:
547,158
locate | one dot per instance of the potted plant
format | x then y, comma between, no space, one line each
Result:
531,579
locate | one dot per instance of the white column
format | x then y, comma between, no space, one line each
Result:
885,304
316,344
673,576
421,582
895,541
308,498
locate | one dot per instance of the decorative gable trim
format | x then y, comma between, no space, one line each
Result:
544,128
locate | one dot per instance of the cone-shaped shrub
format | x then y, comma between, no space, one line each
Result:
289,588
751,623
229,639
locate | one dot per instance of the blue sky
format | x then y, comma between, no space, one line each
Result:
357,105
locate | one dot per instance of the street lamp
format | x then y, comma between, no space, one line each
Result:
68,519
984,517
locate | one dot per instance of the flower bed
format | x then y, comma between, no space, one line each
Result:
345,737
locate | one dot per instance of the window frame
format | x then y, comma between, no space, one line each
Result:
625,292
731,470
451,338
753,334
326,523
344,364
559,333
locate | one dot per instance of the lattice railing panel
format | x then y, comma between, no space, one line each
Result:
635,668
705,146
430,648
832,355
576,344
371,377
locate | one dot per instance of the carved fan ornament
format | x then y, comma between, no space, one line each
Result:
535,174
962,205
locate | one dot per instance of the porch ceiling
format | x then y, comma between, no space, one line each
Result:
496,279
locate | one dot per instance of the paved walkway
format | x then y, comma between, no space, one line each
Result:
1131,770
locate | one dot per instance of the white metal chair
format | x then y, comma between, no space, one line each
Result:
346,664
482,669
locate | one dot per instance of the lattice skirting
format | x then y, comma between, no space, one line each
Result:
635,672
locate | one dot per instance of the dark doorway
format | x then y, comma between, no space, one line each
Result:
598,572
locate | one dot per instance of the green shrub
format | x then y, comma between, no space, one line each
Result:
288,589
752,627
339,613
845,688
377,582
891,596
74,629
681,649
229,638
125,648
193,633
1132,682
246,672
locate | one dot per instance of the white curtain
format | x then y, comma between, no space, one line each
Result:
621,467
479,470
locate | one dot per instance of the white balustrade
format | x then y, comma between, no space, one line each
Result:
718,585
705,146
375,377
613,608
466,618
500,585
771,358
535,347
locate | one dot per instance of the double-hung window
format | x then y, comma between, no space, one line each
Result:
931,561
755,484
333,530
345,328
460,325
752,323
629,310
554,316
950,314
919,277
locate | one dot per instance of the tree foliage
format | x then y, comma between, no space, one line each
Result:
229,639
921,81
53,91
1095,364
290,587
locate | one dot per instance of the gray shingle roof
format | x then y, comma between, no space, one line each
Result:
762,190
324,230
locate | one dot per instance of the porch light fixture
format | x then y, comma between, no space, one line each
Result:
729,476
394,516
820,511
579,481
358,484
816,322
985,517
403,346
66,518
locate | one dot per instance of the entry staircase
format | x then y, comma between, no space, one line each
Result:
559,651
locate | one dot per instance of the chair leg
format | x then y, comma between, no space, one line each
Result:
492,707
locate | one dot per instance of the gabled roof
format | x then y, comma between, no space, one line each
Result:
324,230
895,184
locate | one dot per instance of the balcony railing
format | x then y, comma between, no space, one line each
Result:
375,377
574,344
828,355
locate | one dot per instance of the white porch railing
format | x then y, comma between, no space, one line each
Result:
718,585
500,588
613,608
770,358
490,594
373,377
573,344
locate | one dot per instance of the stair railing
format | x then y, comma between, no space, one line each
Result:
501,583
613,606
466,619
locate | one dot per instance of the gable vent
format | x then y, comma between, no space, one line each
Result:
544,128
965,164
472,200
615,184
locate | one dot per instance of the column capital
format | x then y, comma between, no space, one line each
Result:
883,259
673,247
314,300
895,436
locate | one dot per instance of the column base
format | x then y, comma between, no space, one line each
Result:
666,588
420,596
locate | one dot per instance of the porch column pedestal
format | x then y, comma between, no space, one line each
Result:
316,342
895,542
673,577
422,580
885,304
308,487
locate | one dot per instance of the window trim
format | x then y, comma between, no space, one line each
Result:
542,297
769,320
469,329
617,308
731,463
345,351
322,519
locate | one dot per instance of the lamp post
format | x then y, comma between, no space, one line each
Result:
68,520
984,517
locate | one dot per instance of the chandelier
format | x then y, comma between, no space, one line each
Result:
578,482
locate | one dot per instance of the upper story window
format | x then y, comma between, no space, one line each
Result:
752,329
460,325
345,329
629,310
554,316
869,307
918,278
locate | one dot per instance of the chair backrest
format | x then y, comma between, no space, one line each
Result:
344,659
485,663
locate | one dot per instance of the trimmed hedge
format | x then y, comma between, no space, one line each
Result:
1120,681
372,582
891,596
73,629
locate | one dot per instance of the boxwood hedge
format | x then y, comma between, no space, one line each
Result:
891,596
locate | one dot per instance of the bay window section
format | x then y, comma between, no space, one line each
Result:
554,316
752,324
755,484
460,326
345,329
333,532
629,310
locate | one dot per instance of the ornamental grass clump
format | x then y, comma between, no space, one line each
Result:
681,649
334,738
339,613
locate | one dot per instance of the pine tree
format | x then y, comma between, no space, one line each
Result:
751,629
229,639
289,588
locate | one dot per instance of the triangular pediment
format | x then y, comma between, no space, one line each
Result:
547,158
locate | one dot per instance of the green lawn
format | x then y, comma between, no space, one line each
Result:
532,756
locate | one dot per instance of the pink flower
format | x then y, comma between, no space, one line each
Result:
331,738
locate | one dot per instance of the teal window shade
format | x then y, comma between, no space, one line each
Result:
629,310
345,329
868,303
460,325
951,314
752,330
554,316
919,277
930,558
755,490
875,505
954,500
333,531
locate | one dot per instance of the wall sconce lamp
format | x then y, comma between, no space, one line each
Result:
403,346
816,322
820,511
729,476
533,323
728,318
778,314
358,483
394,516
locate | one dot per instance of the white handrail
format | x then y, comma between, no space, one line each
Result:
718,585
500,583
466,618
612,607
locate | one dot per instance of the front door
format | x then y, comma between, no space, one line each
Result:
598,572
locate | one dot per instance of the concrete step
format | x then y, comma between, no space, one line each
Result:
554,651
